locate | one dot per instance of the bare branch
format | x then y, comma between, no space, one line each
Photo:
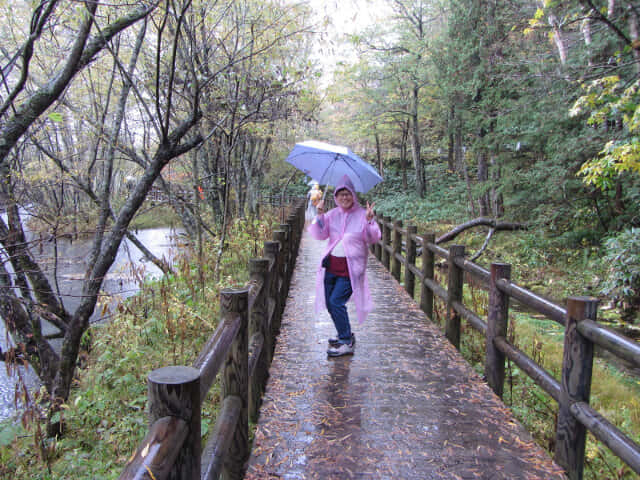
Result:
480,221
476,255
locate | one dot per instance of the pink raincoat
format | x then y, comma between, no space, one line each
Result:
357,234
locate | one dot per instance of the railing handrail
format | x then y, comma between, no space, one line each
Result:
582,332
161,453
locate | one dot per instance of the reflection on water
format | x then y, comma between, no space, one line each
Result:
121,282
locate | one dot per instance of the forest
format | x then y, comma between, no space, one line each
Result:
117,114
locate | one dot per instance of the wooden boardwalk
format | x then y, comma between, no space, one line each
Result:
405,406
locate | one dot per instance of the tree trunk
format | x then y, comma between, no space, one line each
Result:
483,177
415,143
460,163
586,35
633,34
403,154
558,38
497,200
376,136
467,180
79,323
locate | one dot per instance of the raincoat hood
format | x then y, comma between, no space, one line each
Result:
345,182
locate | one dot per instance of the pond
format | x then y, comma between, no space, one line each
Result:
121,282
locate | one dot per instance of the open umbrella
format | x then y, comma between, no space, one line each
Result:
327,164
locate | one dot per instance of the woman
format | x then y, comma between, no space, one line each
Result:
350,229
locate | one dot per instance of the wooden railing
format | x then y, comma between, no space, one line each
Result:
582,334
241,350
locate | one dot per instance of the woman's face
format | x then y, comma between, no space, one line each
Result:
344,198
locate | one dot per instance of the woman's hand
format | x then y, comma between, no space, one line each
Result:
369,213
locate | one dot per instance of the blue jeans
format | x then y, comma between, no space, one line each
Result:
337,291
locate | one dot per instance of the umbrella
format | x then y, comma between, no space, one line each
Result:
328,163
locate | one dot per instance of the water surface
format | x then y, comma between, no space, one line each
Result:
122,281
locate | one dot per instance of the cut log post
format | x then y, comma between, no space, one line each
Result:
409,277
377,248
577,365
235,380
258,271
454,286
271,251
175,392
293,233
157,453
286,257
396,249
497,324
281,237
386,241
428,263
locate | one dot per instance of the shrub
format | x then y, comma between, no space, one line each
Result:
622,253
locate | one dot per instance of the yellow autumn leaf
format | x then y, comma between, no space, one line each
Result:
150,473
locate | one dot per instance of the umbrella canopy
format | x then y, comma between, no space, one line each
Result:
327,164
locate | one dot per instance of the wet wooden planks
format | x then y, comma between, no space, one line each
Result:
405,406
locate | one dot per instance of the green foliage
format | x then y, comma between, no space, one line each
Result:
440,204
622,254
607,100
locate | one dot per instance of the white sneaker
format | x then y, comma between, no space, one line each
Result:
339,350
335,342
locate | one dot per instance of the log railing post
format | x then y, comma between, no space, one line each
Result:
286,256
386,241
280,236
175,392
428,262
577,365
299,223
396,250
293,234
454,287
271,251
258,271
497,323
377,249
235,380
409,277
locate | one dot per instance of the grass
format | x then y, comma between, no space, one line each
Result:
155,216
165,324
